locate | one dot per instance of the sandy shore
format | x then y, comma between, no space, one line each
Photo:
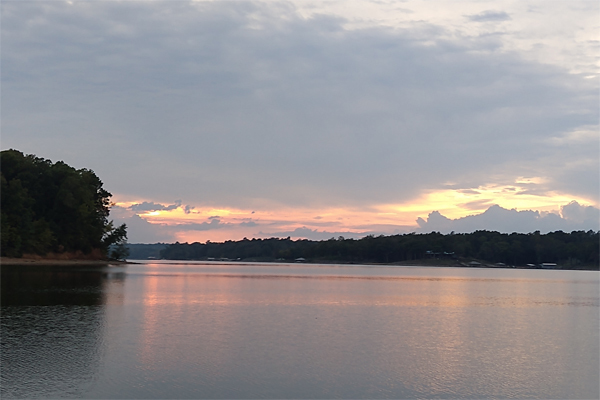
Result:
39,261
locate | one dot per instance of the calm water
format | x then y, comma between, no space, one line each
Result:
199,330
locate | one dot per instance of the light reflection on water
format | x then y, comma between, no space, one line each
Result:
299,331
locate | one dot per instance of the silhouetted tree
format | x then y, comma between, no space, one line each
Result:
52,207
569,249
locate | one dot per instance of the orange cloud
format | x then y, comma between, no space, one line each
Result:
457,203
223,223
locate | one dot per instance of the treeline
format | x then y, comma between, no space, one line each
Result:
140,251
575,249
54,208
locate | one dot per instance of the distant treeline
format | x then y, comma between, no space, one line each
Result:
573,249
54,208
140,251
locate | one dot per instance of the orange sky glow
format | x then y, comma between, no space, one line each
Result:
451,203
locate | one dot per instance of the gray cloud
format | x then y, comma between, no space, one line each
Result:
188,209
469,191
248,224
585,215
151,206
477,204
214,223
141,231
496,218
238,103
487,16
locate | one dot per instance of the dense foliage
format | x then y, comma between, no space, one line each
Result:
573,249
52,207
141,251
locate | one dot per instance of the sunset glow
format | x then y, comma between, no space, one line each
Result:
199,224
460,203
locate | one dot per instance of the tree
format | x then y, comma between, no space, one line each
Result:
53,207
119,251
115,240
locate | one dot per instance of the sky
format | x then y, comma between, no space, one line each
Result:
219,120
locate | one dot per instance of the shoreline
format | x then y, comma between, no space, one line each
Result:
59,262
433,263
10,261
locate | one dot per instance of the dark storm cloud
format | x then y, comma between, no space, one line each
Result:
234,103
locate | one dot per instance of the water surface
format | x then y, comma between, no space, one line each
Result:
230,330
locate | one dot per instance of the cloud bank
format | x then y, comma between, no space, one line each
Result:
253,104
278,106
570,217
574,217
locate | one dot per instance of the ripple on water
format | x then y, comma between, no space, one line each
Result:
49,351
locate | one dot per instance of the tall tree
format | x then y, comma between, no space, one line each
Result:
53,207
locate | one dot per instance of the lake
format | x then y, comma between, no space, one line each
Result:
233,330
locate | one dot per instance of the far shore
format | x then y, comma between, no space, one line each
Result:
39,261
428,262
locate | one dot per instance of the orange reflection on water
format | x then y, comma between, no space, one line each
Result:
427,333
186,319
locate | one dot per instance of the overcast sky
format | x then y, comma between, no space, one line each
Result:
215,120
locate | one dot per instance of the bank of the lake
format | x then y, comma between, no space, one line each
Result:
57,262
434,263
575,250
